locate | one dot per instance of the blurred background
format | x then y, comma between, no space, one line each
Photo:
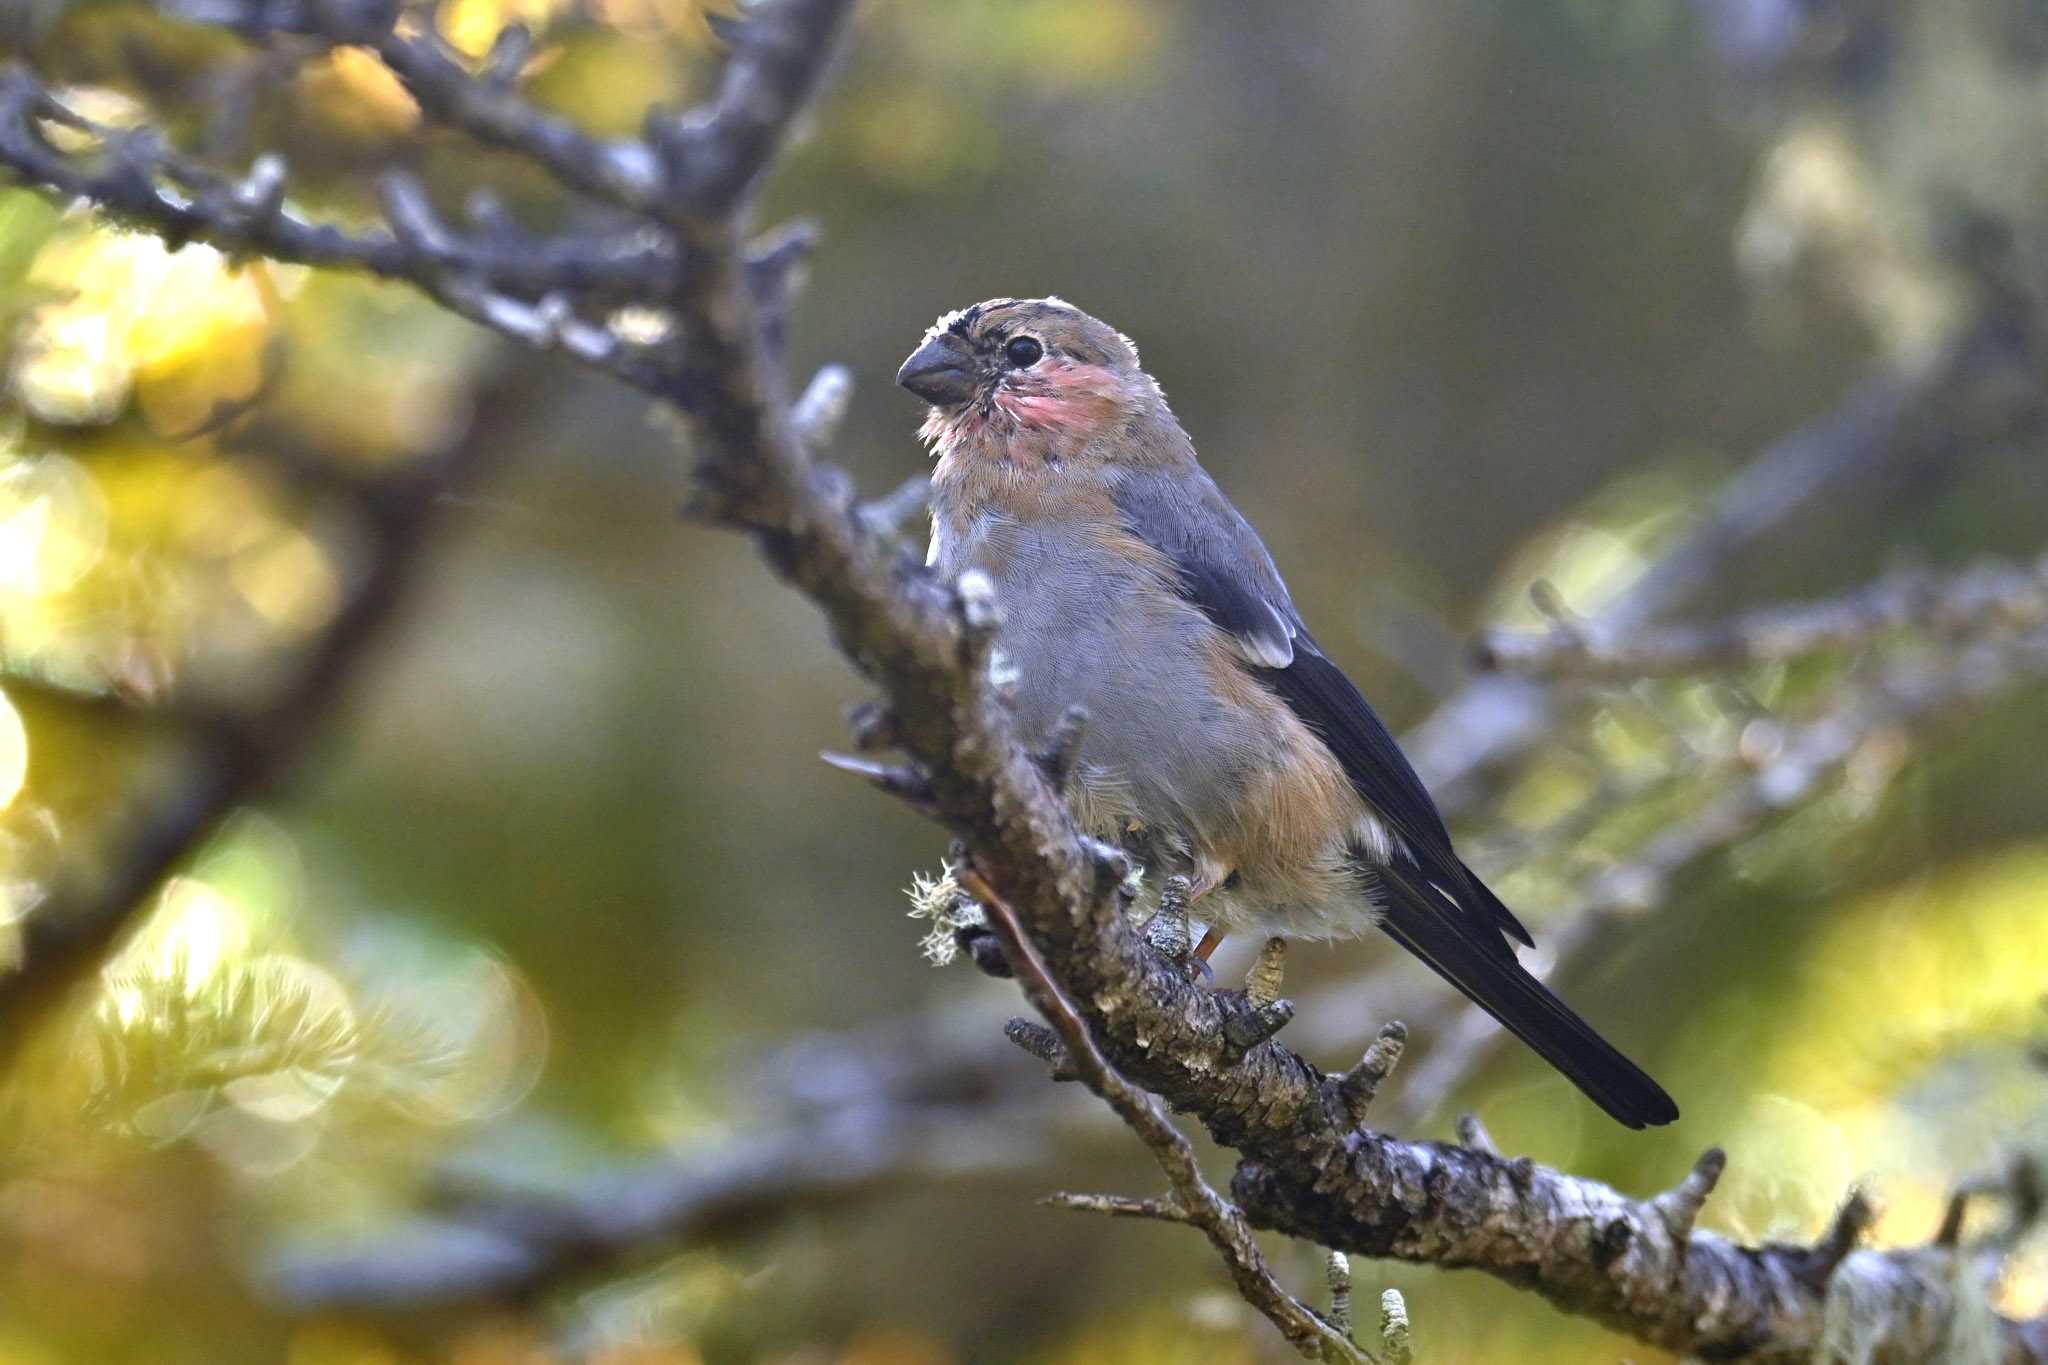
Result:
1455,298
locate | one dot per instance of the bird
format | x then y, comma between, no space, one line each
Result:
1222,744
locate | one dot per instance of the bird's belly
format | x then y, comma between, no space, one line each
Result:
1159,746
1187,761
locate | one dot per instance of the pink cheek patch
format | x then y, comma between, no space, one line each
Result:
1062,394
1034,410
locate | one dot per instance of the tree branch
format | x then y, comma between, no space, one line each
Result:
1948,605
140,180
499,1245
1791,761
1192,1201
1980,389
1126,1015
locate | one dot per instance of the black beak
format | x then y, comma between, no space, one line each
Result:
941,372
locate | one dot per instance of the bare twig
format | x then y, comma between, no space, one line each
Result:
143,181
1899,701
1888,424
2008,597
1194,1201
1120,1206
497,1244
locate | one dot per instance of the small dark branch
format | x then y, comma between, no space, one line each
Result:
907,782
773,270
1680,1205
488,109
871,725
1472,1133
1816,1265
2019,1186
1989,596
713,156
2026,1192
1063,748
1119,1206
1042,1043
506,61
593,267
1950,1234
1358,1087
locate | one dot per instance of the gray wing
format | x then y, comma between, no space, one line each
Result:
1226,570
1224,566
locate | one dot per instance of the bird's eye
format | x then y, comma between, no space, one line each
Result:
1023,352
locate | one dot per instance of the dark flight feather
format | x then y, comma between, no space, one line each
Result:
1419,917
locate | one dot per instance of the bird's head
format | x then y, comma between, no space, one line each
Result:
1037,370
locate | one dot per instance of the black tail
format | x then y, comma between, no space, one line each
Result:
1473,957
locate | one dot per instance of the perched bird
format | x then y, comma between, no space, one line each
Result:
1222,744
